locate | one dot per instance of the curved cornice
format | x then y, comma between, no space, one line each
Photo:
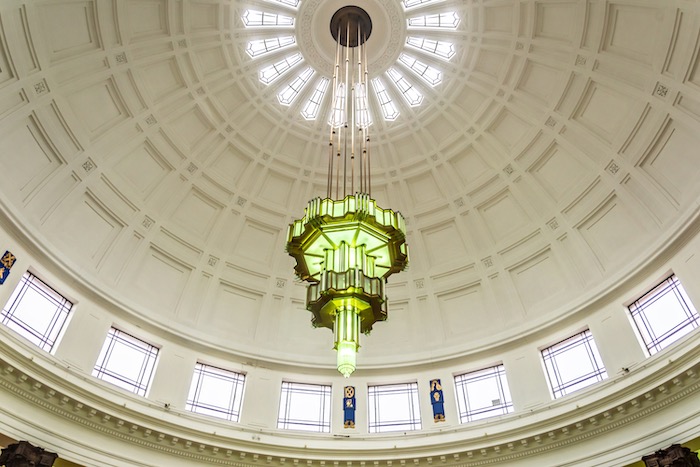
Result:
58,394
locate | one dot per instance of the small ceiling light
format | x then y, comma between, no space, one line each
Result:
346,246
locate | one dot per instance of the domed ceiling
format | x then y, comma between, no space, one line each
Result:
541,151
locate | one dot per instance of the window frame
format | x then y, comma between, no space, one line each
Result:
49,339
233,411
643,328
461,380
550,352
320,425
374,422
148,366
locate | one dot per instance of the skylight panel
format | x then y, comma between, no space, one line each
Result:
442,49
389,109
294,88
292,3
260,47
413,3
431,75
337,118
274,71
442,20
362,117
252,18
408,91
313,105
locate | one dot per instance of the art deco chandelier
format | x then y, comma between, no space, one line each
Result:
346,246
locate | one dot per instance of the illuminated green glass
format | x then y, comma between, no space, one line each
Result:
345,249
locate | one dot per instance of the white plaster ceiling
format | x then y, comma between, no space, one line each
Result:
557,155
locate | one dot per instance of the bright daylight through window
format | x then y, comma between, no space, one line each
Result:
305,407
127,362
36,312
393,407
663,315
216,392
424,67
573,364
482,394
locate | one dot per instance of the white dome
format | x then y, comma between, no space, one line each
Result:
551,171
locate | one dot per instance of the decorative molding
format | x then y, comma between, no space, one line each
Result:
120,57
88,165
419,283
212,261
660,90
580,60
147,222
487,262
612,167
281,283
41,88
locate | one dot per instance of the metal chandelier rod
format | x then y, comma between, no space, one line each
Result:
349,139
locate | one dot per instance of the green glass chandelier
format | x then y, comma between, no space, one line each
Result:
346,246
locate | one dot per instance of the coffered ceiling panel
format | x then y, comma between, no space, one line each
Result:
546,147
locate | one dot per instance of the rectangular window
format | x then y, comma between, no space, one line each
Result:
127,362
482,394
663,315
573,364
393,408
305,407
37,312
216,392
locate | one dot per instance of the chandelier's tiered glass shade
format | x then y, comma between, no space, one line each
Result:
347,247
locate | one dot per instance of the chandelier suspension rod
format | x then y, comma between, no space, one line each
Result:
353,97
333,132
345,111
368,181
360,46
